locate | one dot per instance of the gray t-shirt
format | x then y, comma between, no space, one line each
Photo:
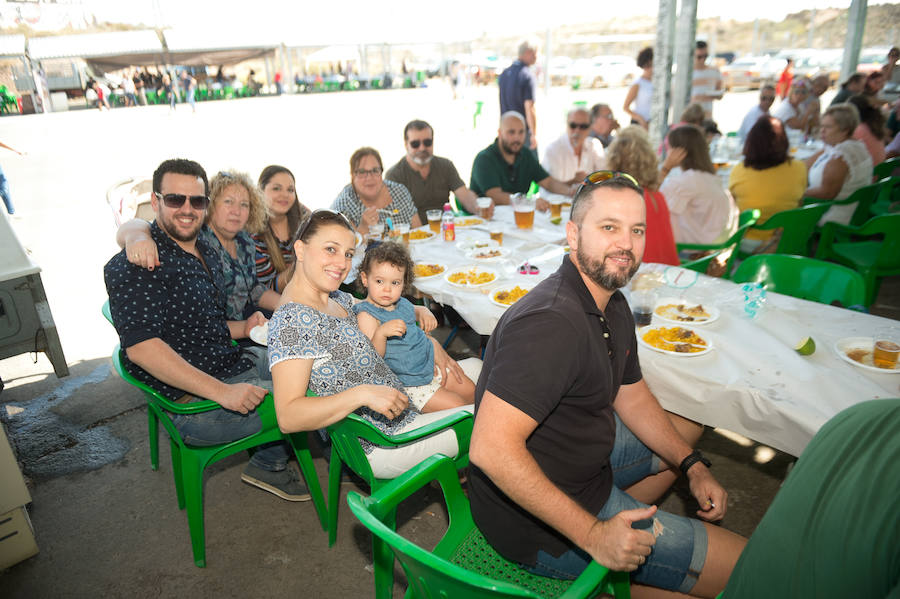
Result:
431,193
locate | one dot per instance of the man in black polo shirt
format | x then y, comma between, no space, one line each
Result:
172,327
429,178
503,168
564,422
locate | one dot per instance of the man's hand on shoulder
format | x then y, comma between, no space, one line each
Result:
241,397
615,544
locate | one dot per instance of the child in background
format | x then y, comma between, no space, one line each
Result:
388,320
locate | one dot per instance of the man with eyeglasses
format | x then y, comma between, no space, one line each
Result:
174,333
430,179
706,82
569,446
766,98
573,155
503,168
603,124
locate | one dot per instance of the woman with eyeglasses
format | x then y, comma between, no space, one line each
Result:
631,152
235,207
315,344
701,210
285,214
367,197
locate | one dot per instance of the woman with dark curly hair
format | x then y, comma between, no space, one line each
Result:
388,319
871,129
631,152
768,179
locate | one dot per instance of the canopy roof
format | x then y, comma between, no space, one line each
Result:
12,45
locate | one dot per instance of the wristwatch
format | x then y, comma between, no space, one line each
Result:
692,459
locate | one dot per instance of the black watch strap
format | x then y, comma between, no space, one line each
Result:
692,459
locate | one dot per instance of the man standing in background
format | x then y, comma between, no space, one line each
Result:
518,88
706,84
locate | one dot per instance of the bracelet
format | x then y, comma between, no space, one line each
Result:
692,459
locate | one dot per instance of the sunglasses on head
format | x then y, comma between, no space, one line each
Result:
581,126
414,144
601,177
177,200
324,214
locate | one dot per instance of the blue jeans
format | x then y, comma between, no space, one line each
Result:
223,426
4,192
680,550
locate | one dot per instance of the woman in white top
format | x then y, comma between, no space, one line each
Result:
701,209
641,93
843,166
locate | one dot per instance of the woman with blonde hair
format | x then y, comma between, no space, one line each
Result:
285,213
235,210
630,152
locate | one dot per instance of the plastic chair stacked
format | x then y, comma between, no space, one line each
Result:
805,278
727,250
189,462
873,249
346,449
463,564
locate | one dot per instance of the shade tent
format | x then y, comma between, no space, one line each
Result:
105,51
191,47
12,45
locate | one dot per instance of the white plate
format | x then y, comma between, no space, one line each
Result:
423,278
475,269
467,221
469,243
483,254
643,331
260,333
711,310
507,287
426,229
842,346
680,278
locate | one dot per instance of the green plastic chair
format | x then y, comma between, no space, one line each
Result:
873,249
863,197
797,225
727,249
346,449
886,168
463,564
806,278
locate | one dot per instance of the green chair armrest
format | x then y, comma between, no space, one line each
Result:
362,428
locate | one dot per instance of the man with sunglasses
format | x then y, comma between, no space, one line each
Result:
603,123
706,82
766,98
430,179
503,168
569,446
574,154
173,330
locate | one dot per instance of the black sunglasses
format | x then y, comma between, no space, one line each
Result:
416,143
324,214
177,200
581,126
601,177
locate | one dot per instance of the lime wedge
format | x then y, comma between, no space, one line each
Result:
556,220
806,347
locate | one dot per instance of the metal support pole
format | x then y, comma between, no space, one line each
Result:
856,24
684,57
548,54
662,71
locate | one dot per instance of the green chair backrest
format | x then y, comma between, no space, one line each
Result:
798,226
886,168
746,219
805,278
889,249
449,570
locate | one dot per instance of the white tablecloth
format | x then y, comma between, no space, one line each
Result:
752,382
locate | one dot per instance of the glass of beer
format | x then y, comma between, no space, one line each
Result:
376,231
402,231
434,220
484,207
497,234
885,354
556,205
523,206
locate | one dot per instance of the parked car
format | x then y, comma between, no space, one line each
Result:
605,71
872,59
559,69
814,62
752,72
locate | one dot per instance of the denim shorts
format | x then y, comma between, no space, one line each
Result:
680,550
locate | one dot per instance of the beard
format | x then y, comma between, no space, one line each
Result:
510,149
611,278
422,160
167,223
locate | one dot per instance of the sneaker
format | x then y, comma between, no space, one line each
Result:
283,483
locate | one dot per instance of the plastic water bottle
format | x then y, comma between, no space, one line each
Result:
754,299
448,228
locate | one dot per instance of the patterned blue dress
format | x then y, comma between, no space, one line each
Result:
343,357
